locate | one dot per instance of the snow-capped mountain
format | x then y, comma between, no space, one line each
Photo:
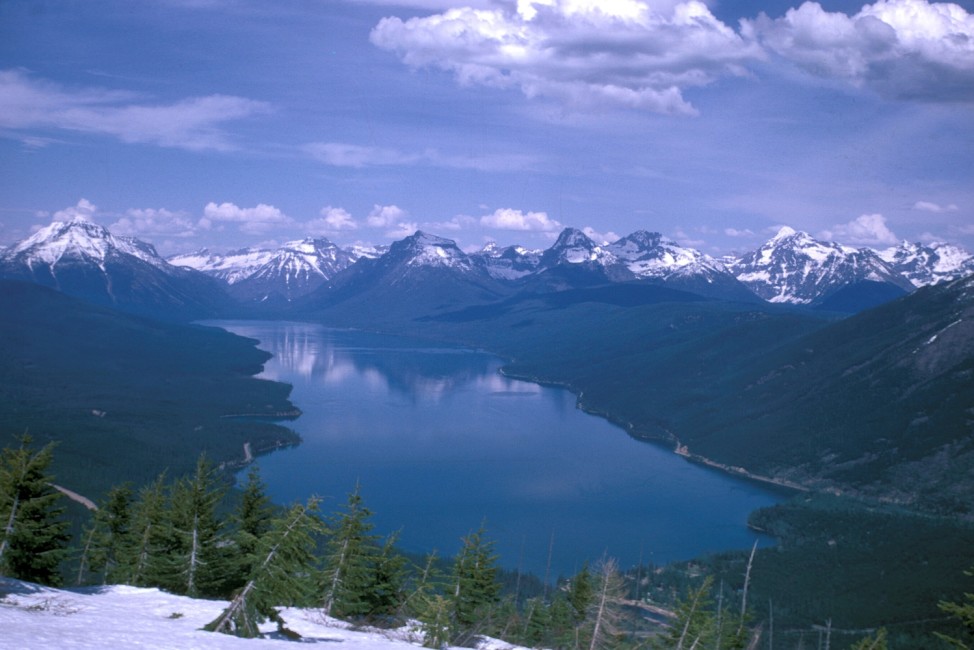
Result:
231,267
926,264
85,260
793,267
422,271
359,251
294,269
508,263
650,255
576,248
77,241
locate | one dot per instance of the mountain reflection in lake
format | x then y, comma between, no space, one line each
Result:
439,441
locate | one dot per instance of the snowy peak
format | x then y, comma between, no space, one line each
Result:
793,267
575,247
423,249
81,241
926,264
508,263
231,267
650,255
291,270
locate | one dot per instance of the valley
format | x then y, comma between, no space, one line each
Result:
872,402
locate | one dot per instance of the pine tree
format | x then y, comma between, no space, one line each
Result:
194,563
33,537
384,596
349,563
107,537
874,642
581,591
964,613
253,520
282,574
144,550
695,625
475,586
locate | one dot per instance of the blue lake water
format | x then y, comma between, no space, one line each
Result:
439,441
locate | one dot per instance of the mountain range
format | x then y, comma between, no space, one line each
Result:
86,260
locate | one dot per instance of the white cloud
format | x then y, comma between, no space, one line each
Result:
510,219
927,206
599,237
342,154
383,216
686,240
901,48
734,232
194,123
256,220
149,221
331,222
339,154
866,230
458,222
85,210
402,229
585,54
338,218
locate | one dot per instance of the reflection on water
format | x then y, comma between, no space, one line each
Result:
440,441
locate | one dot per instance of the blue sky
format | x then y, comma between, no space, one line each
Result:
229,123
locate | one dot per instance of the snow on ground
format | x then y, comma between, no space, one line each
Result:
34,618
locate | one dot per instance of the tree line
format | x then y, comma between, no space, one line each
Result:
186,536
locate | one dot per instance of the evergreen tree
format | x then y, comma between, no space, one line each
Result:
537,623
385,595
282,574
253,520
695,625
107,537
475,586
144,550
581,591
349,564
964,612
194,563
875,642
33,537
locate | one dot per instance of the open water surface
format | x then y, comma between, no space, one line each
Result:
439,442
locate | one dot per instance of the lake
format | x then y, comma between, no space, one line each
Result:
439,442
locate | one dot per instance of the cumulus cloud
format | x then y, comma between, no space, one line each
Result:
254,221
138,222
84,210
585,54
402,229
601,238
901,48
383,216
195,123
866,230
510,219
928,206
338,218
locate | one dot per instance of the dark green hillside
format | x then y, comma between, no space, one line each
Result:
882,401
862,566
126,397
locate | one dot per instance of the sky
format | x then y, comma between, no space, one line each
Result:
233,123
